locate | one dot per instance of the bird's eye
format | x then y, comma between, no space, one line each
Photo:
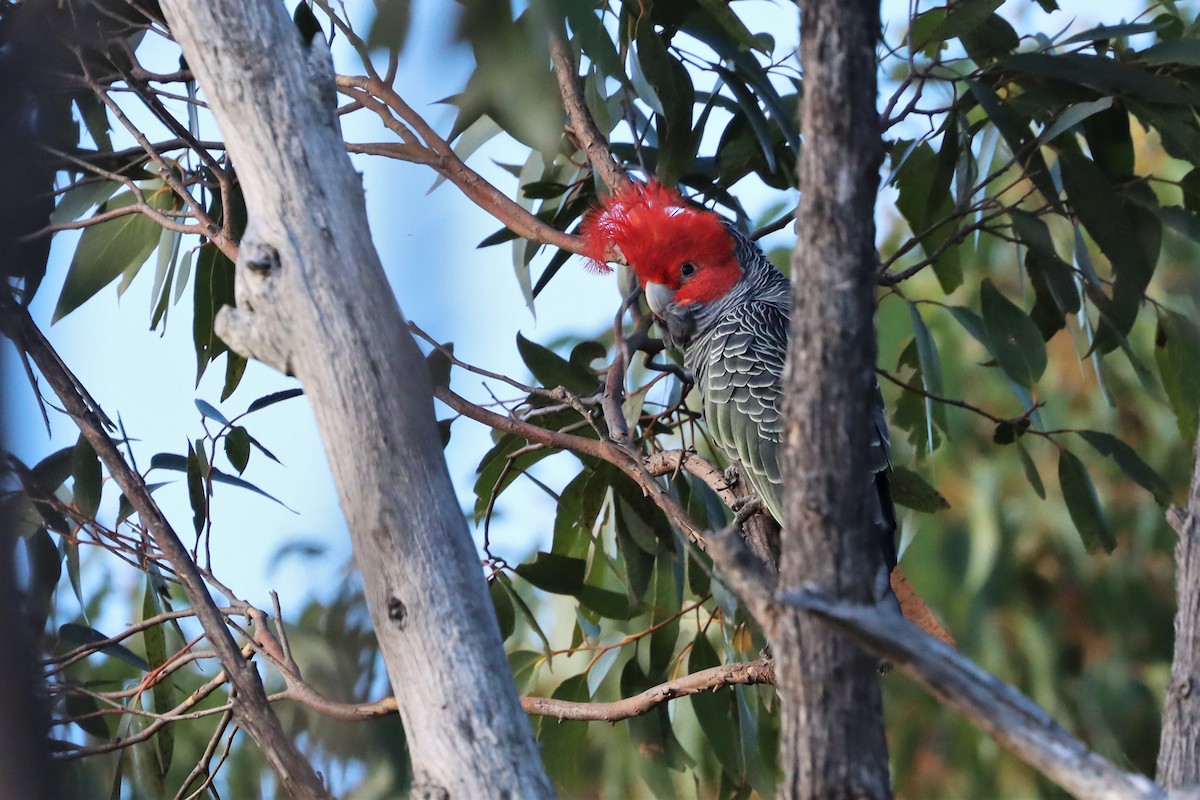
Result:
688,269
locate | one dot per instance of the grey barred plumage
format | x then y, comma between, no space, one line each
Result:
736,347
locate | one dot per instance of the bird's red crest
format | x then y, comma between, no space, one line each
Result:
652,228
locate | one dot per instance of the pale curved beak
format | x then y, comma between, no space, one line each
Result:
659,297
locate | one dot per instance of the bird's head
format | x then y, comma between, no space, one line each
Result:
681,254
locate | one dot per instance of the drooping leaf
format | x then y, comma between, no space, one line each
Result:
912,491
109,249
237,448
389,29
85,468
1175,346
716,711
552,370
1031,471
214,290
154,638
178,463
1130,463
931,367
272,399
925,200
554,573
1083,504
1014,340
81,634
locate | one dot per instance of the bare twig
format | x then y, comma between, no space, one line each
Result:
439,155
591,140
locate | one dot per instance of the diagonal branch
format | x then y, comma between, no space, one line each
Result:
1013,720
252,708
591,140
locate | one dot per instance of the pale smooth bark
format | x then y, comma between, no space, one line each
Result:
313,301
832,742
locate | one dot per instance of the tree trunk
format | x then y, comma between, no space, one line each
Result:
313,301
833,742
1179,748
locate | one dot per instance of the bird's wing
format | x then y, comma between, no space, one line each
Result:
742,386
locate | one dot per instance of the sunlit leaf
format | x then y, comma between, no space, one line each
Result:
108,249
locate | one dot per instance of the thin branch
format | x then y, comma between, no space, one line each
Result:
443,159
747,673
591,140
1014,721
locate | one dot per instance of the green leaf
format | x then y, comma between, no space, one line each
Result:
931,366
81,634
178,463
524,665
389,29
912,491
1176,344
193,467
522,608
439,364
1104,75
210,411
155,641
552,370
562,740
214,289
965,18
593,39
1031,472
85,468
633,536
237,448
76,200
106,250
554,573
53,470
83,710
652,734
1014,340
1105,33
1017,134
992,39
1083,504
1055,290
673,86
578,506
44,571
1184,52
925,200
716,711
723,15
506,614
273,398
1130,463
